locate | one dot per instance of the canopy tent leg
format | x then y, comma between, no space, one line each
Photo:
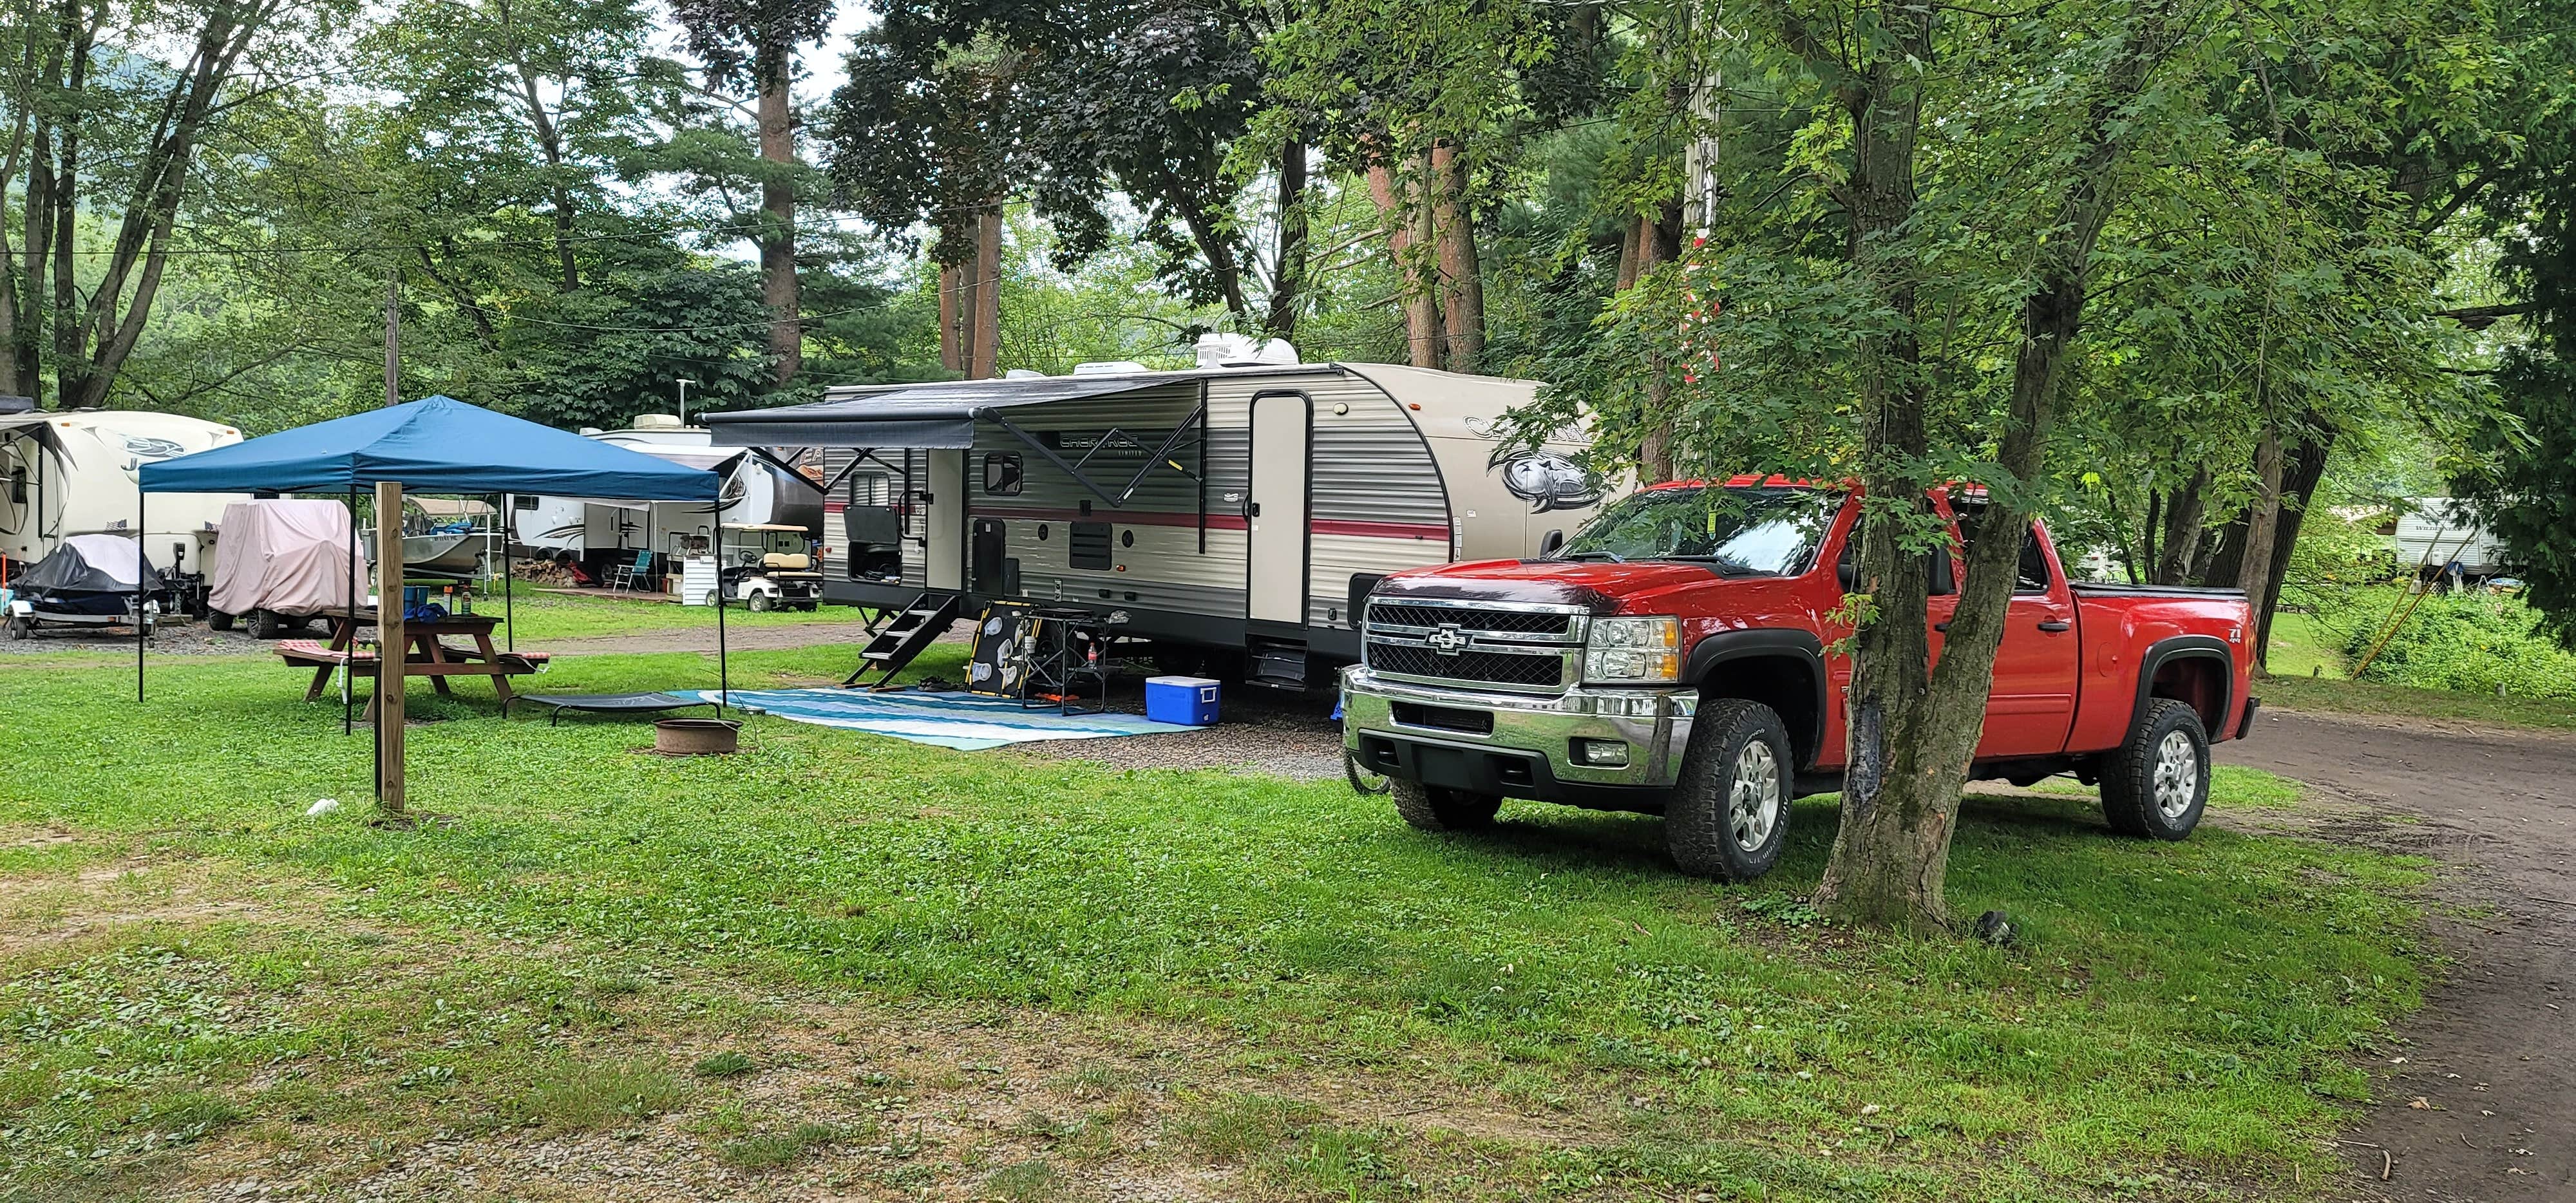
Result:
724,673
509,581
349,667
140,564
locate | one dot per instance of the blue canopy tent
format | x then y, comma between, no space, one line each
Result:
434,445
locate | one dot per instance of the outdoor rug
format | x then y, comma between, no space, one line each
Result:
950,720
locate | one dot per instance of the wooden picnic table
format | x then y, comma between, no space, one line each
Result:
428,656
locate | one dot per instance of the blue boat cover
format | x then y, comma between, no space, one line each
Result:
433,445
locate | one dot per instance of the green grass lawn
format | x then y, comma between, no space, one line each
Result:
542,615
887,967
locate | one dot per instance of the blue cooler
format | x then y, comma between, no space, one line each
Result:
1189,701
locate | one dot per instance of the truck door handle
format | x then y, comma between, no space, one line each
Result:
2055,625
1942,625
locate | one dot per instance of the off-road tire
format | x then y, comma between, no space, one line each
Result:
1433,808
1702,828
2136,799
217,620
266,624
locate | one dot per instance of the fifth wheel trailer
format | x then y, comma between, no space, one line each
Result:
72,472
1236,509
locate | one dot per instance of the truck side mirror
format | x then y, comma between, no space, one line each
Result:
1551,543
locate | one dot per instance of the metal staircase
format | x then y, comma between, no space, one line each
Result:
915,627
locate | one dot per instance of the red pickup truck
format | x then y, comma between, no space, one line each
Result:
1675,657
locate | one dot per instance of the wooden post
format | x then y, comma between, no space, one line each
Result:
390,647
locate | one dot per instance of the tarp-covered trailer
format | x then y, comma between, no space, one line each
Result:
281,563
1230,509
86,581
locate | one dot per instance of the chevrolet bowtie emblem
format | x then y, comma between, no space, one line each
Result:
1448,641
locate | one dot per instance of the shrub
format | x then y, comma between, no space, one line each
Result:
2474,642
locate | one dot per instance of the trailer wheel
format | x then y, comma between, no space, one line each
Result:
217,620
1728,816
265,624
2156,785
18,627
1433,808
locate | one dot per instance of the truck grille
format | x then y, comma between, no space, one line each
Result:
1515,622
1475,645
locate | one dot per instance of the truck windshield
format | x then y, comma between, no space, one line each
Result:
1738,532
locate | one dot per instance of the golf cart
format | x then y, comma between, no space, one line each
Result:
87,581
768,566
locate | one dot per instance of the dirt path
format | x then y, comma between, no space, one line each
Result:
2493,1055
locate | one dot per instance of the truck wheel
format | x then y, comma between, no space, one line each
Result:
1729,816
1432,808
217,620
2156,785
264,624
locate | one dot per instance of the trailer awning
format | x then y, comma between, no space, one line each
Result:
926,415
941,415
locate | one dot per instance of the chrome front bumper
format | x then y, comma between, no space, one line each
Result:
1539,731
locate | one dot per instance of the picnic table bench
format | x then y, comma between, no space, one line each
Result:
429,655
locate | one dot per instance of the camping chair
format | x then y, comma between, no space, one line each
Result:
624,577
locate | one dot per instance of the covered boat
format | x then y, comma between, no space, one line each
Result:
87,580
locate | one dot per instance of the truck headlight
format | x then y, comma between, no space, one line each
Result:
1633,651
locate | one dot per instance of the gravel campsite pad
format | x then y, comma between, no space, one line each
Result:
1277,732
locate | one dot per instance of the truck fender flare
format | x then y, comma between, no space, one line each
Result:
2187,647
1714,650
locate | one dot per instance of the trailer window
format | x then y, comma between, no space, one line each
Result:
1002,474
1737,532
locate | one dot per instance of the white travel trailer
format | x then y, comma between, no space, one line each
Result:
2436,533
1241,509
600,532
72,472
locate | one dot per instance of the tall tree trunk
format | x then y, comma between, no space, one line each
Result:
2262,522
1913,732
1409,243
1288,281
984,364
775,65
1889,852
2307,469
550,144
952,344
2183,517
71,361
1462,281
1628,254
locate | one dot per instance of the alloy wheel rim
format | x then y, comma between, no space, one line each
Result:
2177,774
1753,803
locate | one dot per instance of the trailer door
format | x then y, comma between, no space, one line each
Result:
1276,518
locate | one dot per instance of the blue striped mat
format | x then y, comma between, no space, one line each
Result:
949,720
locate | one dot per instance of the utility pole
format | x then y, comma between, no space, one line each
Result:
393,339
684,398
